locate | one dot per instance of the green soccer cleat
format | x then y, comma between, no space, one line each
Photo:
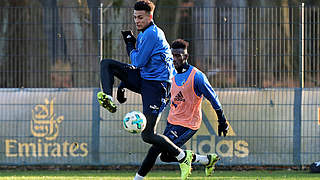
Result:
185,166
106,102
213,159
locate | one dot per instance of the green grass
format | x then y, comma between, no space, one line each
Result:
155,175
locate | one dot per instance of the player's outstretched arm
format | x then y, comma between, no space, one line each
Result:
202,86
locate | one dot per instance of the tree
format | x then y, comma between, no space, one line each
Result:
4,19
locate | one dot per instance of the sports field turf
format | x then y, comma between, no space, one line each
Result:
155,175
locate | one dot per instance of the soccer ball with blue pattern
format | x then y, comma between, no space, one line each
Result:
134,122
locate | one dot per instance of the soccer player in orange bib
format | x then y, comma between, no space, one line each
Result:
189,86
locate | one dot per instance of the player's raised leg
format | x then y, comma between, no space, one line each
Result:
109,69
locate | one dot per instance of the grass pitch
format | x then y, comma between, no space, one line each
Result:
155,175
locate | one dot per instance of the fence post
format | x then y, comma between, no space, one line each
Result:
95,147
100,34
301,48
297,127
95,129
298,94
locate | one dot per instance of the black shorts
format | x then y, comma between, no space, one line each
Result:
179,135
154,93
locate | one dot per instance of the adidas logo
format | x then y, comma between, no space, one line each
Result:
179,97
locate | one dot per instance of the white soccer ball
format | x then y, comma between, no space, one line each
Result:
134,122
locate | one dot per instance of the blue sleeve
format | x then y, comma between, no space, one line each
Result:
140,56
203,87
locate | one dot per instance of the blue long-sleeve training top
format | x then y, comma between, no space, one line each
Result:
153,55
201,86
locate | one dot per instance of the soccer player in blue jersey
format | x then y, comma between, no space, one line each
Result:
188,88
149,74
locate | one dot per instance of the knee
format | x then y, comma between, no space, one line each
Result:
104,63
147,137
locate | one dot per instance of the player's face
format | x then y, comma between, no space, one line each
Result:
142,19
179,60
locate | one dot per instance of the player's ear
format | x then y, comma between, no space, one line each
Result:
186,56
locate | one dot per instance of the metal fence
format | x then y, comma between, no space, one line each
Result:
262,61
236,47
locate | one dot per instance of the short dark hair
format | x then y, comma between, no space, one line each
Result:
144,5
179,44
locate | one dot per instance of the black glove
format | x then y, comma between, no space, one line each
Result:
121,93
223,126
130,41
128,37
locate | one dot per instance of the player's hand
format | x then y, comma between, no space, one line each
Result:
128,37
223,129
121,94
223,126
